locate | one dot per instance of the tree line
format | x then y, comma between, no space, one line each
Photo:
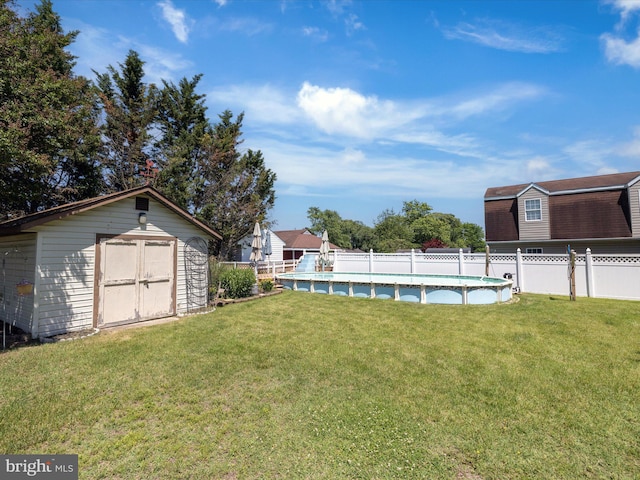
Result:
416,226
64,137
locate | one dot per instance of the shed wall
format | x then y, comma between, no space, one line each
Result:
17,257
67,260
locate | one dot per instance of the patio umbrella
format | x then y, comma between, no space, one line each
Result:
266,244
256,245
324,250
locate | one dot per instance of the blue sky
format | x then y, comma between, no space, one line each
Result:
361,105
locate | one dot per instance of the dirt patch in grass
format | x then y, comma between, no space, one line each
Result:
13,337
77,335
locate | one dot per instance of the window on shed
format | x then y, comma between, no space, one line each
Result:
533,210
533,250
142,203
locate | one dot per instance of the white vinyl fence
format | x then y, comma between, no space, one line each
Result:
604,276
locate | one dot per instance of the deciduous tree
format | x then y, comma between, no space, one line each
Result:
48,135
348,234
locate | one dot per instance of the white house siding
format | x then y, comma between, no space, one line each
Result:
534,230
634,206
17,264
67,248
277,247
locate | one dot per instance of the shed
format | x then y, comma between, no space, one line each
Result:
121,258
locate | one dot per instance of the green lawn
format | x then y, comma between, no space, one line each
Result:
309,386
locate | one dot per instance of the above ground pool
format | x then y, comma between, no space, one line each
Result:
447,289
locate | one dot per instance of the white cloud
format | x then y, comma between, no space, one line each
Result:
159,64
263,104
626,7
246,25
617,49
344,111
497,99
379,173
221,3
621,52
97,48
538,168
353,24
342,115
316,33
507,36
337,7
352,155
177,19
631,148
589,155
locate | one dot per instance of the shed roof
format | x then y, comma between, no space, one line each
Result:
24,223
593,183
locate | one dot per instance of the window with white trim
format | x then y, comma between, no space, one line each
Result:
533,210
533,250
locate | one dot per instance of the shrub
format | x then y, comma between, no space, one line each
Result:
237,283
266,285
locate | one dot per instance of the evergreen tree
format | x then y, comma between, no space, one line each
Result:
180,151
237,189
48,135
128,107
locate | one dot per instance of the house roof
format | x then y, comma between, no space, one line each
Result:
301,240
613,181
26,222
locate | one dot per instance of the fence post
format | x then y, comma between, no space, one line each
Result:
460,262
519,270
413,261
589,273
371,260
572,276
487,253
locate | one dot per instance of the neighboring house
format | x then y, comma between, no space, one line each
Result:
299,242
120,258
244,248
600,212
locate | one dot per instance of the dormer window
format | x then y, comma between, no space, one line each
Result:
533,210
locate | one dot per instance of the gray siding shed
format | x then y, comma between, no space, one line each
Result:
62,246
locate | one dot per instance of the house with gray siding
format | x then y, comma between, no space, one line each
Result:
121,258
600,212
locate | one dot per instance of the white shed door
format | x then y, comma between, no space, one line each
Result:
136,279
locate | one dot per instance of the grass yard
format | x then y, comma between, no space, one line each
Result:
310,386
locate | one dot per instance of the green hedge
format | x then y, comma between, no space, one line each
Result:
237,283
